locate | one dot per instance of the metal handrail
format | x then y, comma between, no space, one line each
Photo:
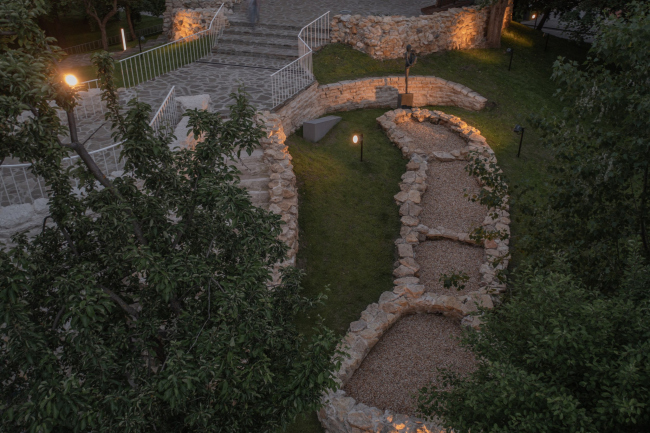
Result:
298,74
165,118
150,64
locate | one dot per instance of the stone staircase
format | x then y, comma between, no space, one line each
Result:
255,177
270,41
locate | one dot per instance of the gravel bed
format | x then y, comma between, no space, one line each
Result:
405,360
430,137
446,256
444,202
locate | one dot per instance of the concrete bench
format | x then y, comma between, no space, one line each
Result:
316,129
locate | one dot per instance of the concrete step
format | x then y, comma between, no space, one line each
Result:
260,40
240,22
248,31
256,51
259,184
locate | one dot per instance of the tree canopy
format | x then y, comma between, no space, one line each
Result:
568,351
146,302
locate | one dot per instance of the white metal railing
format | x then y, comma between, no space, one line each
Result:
20,186
173,55
300,73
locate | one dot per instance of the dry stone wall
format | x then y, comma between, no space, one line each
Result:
318,100
186,17
342,413
387,37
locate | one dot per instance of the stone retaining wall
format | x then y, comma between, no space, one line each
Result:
387,37
317,100
186,17
342,413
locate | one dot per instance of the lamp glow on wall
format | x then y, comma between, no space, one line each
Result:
358,139
123,39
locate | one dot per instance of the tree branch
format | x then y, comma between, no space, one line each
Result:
99,175
119,301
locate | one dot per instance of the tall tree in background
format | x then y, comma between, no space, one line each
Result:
102,11
146,303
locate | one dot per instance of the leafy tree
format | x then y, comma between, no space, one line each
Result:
556,358
101,11
568,351
600,185
145,304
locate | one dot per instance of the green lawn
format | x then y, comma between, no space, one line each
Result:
76,30
348,219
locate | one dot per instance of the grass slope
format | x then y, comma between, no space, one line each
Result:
348,219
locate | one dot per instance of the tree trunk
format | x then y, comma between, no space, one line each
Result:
547,13
495,24
130,21
90,9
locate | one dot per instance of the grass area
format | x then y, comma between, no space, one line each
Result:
75,30
513,96
348,219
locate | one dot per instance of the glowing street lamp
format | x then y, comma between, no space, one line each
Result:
358,138
71,80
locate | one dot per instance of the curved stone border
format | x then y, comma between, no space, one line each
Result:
317,100
342,413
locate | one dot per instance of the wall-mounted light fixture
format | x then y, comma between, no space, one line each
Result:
358,139
519,130
123,40
510,51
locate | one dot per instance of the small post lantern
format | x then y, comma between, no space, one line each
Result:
123,39
140,41
519,129
511,52
358,139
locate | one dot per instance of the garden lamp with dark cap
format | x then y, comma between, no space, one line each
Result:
140,40
519,129
358,138
511,52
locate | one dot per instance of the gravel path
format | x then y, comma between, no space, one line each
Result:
444,203
405,360
444,256
430,137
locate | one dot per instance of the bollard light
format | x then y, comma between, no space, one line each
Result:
140,41
71,80
356,139
519,129
510,51
123,40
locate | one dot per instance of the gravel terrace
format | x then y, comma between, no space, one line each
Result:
430,137
444,256
444,202
405,360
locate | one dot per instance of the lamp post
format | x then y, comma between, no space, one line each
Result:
140,39
358,138
510,51
535,18
123,39
547,37
519,129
